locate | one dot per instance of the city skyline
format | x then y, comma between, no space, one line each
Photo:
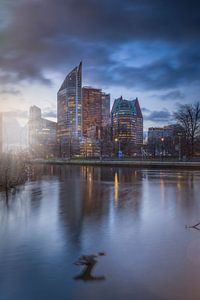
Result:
126,46
21,116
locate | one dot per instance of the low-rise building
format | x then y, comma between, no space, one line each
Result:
165,141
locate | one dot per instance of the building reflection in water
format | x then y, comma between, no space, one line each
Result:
88,195
176,187
162,190
92,195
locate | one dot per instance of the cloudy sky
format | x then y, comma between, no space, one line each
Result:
143,48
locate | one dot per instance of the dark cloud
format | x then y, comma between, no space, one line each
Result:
160,74
48,35
145,110
170,96
161,116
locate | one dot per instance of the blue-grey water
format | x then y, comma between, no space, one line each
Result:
136,216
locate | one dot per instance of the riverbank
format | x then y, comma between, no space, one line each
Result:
121,163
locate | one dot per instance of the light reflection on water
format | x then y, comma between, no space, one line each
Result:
137,217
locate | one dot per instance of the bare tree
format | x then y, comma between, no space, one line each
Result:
188,116
13,172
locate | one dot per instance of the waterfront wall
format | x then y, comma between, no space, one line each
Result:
122,163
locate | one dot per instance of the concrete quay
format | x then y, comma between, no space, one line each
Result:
121,163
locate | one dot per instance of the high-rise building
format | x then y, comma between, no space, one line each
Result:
92,108
127,121
69,106
138,122
96,110
34,126
127,126
105,109
42,134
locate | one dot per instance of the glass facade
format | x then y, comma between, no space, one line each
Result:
92,108
127,121
105,109
96,109
69,106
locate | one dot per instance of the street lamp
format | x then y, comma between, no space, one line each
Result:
86,148
162,141
119,150
90,149
179,146
70,146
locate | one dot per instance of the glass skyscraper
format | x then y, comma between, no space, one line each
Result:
69,106
105,109
127,121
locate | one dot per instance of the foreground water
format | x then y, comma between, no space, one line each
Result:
137,217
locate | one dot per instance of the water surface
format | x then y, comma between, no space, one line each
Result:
136,216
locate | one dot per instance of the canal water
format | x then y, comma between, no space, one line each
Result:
136,216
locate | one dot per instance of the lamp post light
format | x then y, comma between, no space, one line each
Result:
90,150
70,147
162,141
101,148
119,150
116,140
179,146
86,148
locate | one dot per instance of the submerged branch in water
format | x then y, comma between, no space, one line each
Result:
89,261
195,226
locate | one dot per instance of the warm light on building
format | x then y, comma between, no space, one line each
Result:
69,106
127,122
96,110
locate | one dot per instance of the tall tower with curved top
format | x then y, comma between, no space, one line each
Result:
69,106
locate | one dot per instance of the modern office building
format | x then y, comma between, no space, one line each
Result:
92,108
127,121
96,110
69,106
138,122
105,109
42,134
